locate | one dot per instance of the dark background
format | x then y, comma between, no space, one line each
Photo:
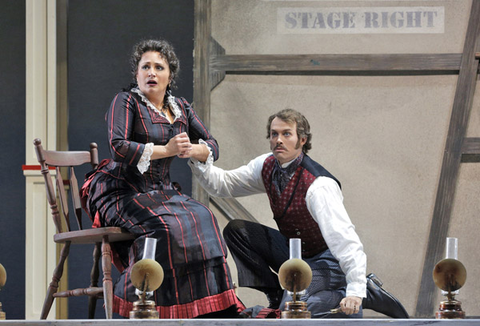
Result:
101,35
12,155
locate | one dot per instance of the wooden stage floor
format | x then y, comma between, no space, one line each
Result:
243,322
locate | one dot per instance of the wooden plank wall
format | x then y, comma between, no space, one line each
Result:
210,62
462,105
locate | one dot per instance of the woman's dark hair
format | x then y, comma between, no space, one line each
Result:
165,49
303,127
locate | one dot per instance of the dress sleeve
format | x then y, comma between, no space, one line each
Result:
325,203
120,123
243,181
197,130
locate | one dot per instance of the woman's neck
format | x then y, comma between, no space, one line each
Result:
157,101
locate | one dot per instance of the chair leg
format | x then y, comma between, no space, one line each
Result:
53,287
107,277
92,300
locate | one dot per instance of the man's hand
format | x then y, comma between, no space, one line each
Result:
351,305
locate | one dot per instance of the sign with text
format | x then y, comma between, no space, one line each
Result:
361,20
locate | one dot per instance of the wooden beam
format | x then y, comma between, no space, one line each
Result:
201,75
216,76
444,63
201,62
462,104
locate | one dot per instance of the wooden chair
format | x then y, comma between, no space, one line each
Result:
100,237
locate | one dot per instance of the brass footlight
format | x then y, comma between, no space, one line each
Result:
295,275
450,275
3,280
146,276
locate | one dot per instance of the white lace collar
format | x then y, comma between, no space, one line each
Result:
171,101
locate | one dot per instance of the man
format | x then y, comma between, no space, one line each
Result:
307,203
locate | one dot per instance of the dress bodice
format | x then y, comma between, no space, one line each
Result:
132,123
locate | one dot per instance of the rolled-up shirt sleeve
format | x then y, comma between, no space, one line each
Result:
243,181
325,203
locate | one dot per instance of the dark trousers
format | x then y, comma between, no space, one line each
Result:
258,249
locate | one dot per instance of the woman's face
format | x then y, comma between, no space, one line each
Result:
153,76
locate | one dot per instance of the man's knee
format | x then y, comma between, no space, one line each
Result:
232,228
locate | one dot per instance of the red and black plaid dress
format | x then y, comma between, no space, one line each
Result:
190,247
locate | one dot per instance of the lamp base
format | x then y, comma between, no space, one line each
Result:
144,309
2,314
296,310
450,309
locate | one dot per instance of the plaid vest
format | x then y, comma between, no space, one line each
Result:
290,209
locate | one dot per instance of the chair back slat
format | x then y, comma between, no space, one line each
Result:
94,155
75,194
69,159
62,196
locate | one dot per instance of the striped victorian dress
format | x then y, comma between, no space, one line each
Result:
190,247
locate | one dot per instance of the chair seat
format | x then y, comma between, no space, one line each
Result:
96,235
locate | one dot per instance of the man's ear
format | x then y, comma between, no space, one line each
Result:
303,141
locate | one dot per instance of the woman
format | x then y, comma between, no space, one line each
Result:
147,128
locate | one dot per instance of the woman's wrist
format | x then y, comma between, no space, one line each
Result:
200,152
160,151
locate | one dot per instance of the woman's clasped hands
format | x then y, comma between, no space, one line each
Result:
180,145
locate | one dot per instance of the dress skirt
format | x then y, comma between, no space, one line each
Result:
189,248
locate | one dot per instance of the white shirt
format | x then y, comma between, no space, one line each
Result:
324,202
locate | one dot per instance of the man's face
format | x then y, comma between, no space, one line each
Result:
284,141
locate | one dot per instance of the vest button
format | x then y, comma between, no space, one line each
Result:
298,232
